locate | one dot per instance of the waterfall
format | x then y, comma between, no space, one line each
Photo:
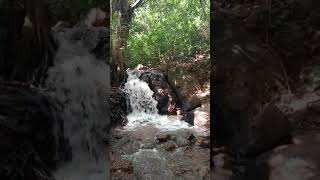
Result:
144,106
79,82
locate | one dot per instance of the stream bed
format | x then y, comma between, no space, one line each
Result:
153,146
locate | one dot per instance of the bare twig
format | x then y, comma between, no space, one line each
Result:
286,77
237,47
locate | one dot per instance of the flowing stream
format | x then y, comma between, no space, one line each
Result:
176,157
144,106
79,82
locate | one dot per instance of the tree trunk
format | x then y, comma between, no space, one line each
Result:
119,53
26,51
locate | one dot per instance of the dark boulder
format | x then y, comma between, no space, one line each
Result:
184,84
243,80
295,161
167,100
120,107
199,117
188,117
193,103
271,128
31,134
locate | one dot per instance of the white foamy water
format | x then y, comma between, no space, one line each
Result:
80,84
144,106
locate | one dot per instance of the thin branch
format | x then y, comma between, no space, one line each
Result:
137,4
286,77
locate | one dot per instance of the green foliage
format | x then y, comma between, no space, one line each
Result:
168,29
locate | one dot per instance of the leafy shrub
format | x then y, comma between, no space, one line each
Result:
164,29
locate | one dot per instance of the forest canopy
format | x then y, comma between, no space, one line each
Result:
166,29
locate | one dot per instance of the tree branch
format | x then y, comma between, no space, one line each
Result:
137,4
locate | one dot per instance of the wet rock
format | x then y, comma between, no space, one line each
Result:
31,134
271,128
167,100
122,170
120,107
188,117
148,145
148,164
300,162
181,172
202,116
184,138
164,137
184,85
188,151
220,174
305,119
242,79
203,141
122,166
167,160
194,102
204,172
192,163
198,117
223,161
307,137
169,146
117,136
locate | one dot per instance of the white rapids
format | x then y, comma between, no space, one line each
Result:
80,83
144,107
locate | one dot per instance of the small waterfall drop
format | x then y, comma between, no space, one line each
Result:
144,106
80,83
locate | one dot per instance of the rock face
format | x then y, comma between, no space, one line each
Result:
32,138
270,129
193,103
122,170
298,17
296,161
202,116
167,100
184,85
243,82
253,46
170,98
153,154
120,107
199,116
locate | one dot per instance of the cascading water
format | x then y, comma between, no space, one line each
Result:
80,83
144,106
